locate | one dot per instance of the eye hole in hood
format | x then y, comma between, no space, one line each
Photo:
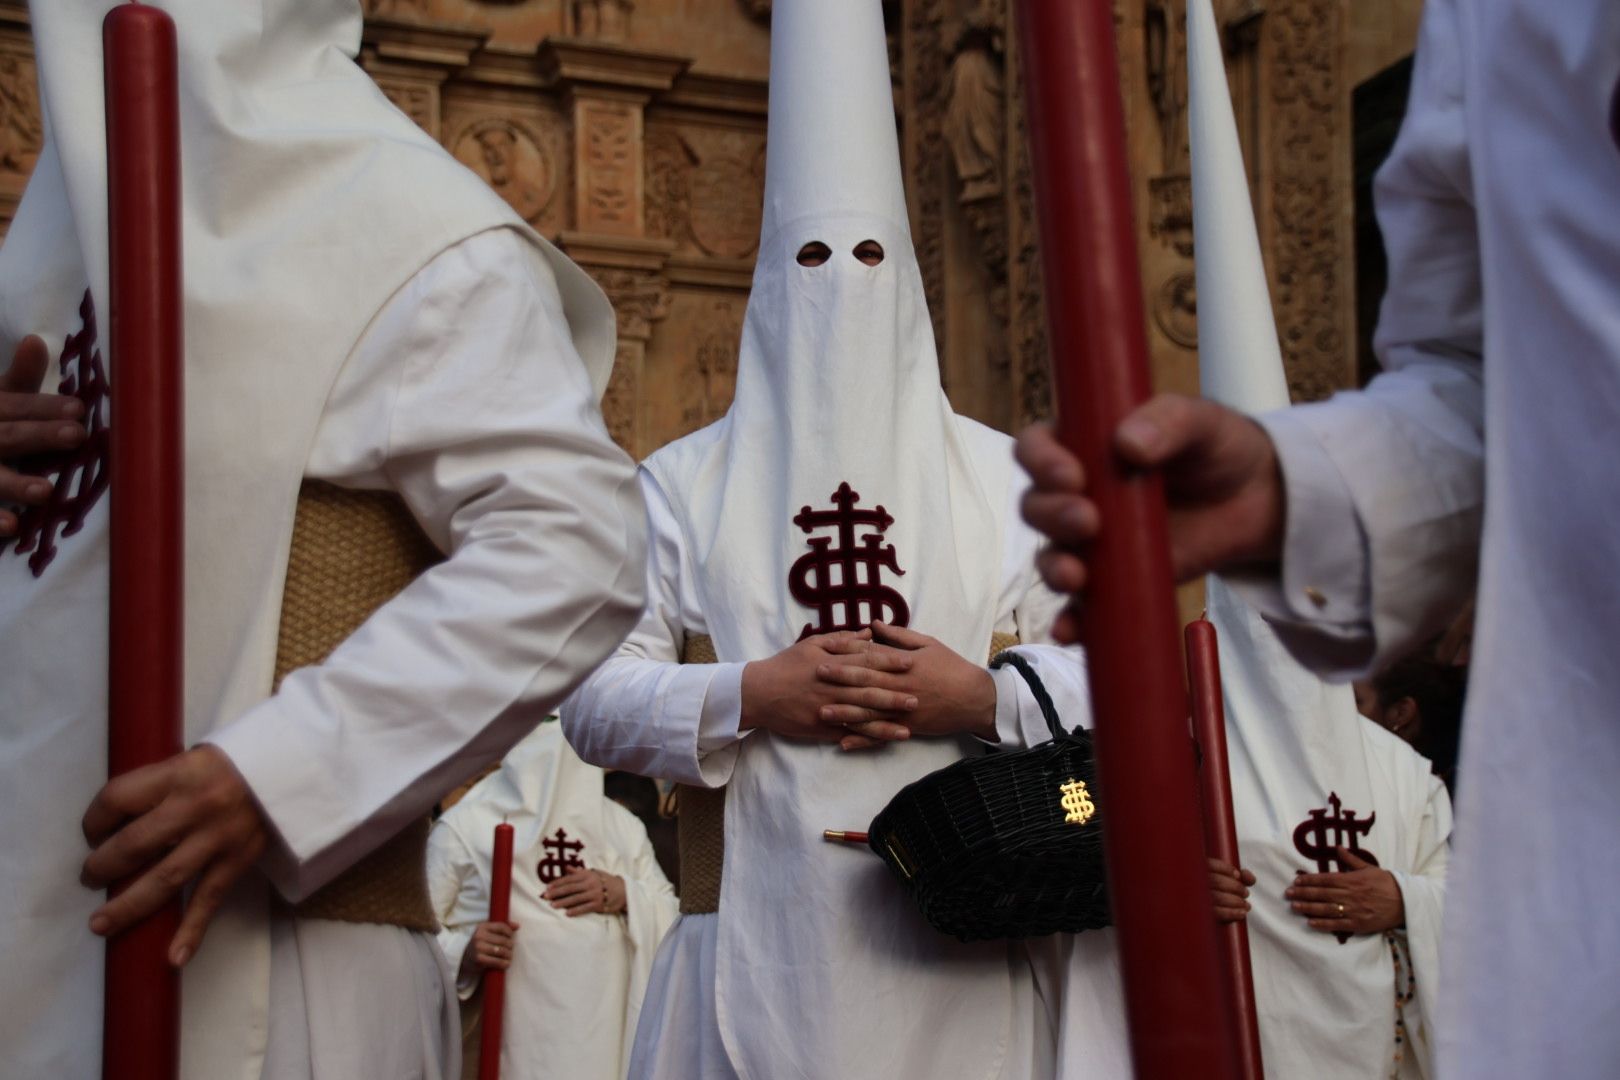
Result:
815,253
869,252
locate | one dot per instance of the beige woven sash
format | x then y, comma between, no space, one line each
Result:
352,552
701,815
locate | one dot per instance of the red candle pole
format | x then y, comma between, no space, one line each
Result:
1220,828
141,1023
500,910
1158,880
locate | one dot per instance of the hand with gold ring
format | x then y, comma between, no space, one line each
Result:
489,949
1361,900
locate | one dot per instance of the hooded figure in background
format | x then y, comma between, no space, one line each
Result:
839,491
1346,959
581,956
363,312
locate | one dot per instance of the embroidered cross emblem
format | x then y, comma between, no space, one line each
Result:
562,855
844,584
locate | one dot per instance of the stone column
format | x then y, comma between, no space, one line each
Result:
22,133
606,88
411,63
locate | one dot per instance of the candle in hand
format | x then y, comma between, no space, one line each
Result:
500,910
141,1027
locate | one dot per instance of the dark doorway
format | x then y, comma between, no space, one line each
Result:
1377,107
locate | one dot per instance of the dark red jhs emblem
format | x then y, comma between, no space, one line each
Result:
831,579
80,474
562,855
1320,836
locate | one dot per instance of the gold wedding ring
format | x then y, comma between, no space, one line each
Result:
1341,910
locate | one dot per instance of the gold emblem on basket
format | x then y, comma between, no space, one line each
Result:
1077,801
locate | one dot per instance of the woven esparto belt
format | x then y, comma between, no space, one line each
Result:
352,552
701,816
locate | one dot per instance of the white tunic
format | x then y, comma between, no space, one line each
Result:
575,986
1489,442
645,712
467,398
1328,1009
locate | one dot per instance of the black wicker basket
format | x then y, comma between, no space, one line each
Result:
1007,845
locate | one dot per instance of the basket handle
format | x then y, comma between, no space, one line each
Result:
1008,658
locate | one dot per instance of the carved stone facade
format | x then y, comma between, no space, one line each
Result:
22,132
632,133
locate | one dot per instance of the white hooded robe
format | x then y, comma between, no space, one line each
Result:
816,964
1296,745
1484,456
361,309
574,990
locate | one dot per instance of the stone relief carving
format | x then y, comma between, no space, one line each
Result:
608,131
926,65
640,299
420,103
705,187
976,109
1032,365
605,19
510,159
1164,36
1310,245
670,160
971,195
1174,304
620,401
22,133
717,361
726,206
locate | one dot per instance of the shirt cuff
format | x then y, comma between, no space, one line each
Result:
272,775
1008,734
1325,580
720,733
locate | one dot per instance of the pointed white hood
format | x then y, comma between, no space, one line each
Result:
1295,740
833,147
837,384
838,379
1239,362
541,785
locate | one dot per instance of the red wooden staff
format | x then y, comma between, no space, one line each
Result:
141,1023
500,911
1181,1024
1220,828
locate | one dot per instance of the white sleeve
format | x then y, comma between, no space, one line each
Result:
465,396
1423,894
460,900
1060,669
650,896
1385,488
644,711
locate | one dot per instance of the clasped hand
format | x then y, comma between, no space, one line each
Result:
864,689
